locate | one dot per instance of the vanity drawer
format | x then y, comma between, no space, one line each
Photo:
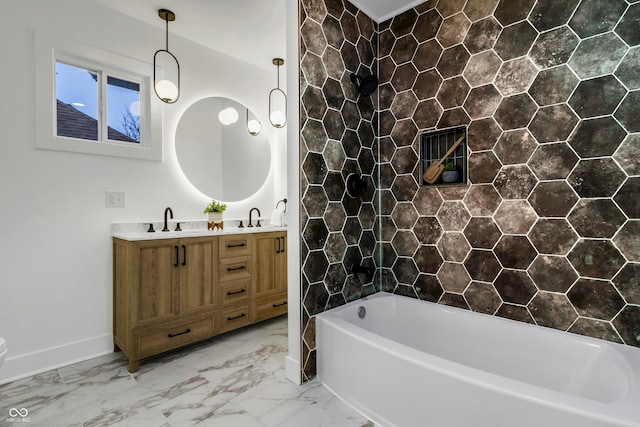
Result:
268,307
234,317
234,268
182,332
235,292
234,246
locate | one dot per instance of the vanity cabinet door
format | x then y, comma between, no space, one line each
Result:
156,265
198,280
270,275
281,263
265,259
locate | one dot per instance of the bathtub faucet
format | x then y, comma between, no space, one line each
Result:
358,269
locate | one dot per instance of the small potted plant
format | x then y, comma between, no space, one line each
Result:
450,173
215,210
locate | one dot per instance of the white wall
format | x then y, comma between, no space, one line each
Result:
293,366
55,258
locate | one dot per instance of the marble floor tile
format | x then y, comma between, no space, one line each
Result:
192,408
231,420
233,380
149,418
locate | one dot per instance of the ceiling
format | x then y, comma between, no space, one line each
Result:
250,30
381,10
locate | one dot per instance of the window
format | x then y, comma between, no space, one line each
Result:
98,101
123,114
79,97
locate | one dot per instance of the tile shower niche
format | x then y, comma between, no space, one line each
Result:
435,145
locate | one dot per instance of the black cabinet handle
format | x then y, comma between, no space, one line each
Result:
184,253
278,247
241,291
177,257
283,246
236,317
239,245
279,305
179,333
242,267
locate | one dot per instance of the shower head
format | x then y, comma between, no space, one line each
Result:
366,85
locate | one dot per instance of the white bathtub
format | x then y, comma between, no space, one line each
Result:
413,363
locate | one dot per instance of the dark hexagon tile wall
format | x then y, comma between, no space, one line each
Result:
546,69
338,135
546,231
551,219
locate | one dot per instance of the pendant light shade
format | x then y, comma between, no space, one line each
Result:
228,116
253,126
278,100
168,90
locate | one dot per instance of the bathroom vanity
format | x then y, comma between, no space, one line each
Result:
177,288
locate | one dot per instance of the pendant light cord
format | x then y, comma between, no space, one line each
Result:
166,32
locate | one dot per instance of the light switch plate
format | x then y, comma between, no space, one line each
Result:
115,199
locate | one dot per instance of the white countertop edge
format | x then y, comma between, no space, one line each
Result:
134,231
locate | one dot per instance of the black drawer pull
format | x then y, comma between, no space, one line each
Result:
239,245
184,251
177,256
237,268
237,317
241,291
279,305
178,334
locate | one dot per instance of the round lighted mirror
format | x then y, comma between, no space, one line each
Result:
220,156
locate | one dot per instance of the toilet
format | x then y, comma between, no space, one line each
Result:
3,350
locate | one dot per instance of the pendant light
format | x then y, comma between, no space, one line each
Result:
165,89
253,126
228,116
277,117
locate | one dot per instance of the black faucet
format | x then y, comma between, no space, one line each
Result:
250,212
166,228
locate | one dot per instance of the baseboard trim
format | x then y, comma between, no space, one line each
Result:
26,365
292,370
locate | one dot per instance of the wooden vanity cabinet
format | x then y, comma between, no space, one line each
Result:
165,294
269,296
234,274
168,293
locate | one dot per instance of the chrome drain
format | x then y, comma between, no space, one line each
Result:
362,312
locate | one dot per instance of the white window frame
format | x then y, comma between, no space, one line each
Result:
53,48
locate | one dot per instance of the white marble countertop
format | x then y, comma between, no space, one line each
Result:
138,230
